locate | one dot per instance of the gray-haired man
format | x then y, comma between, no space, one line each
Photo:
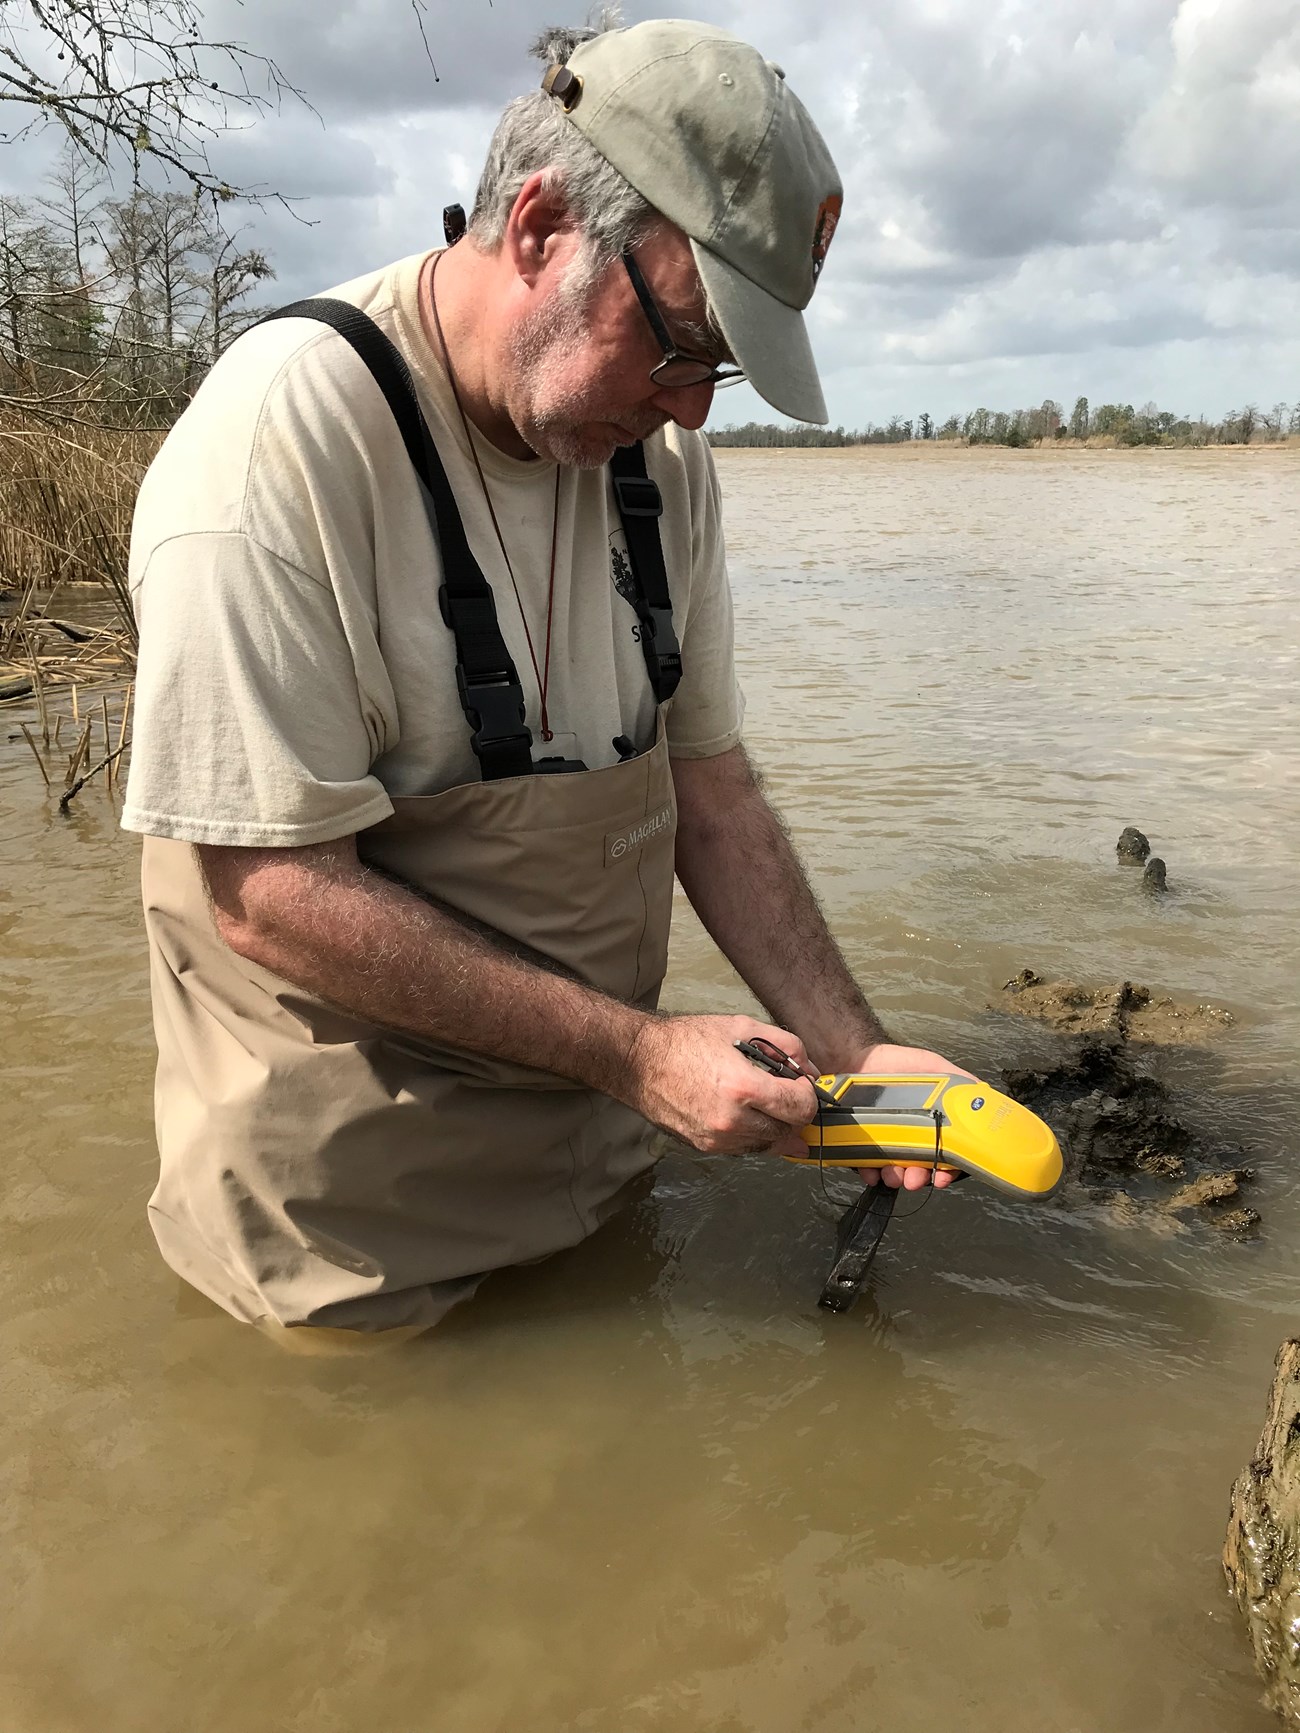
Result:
405,1001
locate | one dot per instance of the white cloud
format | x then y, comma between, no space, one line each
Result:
1225,129
1041,199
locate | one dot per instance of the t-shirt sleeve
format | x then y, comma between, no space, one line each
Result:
251,726
708,707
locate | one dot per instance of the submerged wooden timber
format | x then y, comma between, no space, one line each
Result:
1124,1129
1261,1555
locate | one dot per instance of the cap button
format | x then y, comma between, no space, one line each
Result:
779,70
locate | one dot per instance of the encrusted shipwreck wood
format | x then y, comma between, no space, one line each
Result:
1113,1113
1123,1009
1261,1555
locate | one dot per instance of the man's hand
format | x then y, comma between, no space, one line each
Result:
747,884
893,1061
688,1078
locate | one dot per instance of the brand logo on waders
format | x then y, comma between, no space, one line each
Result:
619,844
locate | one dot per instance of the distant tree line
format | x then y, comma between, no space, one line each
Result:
1114,423
112,309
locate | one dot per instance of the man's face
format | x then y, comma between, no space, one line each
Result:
579,365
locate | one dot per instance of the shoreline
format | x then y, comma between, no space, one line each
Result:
923,449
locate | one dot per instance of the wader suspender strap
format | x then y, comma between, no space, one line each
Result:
486,678
640,507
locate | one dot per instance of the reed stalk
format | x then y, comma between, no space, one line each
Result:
38,687
126,711
80,756
36,753
66,498
74,789
67,632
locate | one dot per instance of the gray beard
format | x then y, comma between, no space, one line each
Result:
537,346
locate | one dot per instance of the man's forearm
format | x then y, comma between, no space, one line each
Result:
375,947
747,884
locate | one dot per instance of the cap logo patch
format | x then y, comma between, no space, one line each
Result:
827,220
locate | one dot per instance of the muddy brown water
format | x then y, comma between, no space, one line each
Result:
648,1485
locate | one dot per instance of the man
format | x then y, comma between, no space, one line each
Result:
405,951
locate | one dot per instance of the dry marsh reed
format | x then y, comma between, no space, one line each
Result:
67,636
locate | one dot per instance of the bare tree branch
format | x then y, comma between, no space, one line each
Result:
136,77
418,7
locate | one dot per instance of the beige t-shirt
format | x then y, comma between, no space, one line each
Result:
295,671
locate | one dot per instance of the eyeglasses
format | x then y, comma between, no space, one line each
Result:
677,370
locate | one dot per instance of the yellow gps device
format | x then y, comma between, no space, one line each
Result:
943,1121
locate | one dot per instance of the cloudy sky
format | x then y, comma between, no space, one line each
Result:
1042,197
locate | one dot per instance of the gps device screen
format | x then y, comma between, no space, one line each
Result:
897,1097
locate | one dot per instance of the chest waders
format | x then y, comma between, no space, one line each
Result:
316,1168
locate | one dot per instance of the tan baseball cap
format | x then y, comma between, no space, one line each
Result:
710,134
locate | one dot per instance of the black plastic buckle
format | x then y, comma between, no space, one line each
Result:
666,645
638,496
668,653
496,704
557,766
